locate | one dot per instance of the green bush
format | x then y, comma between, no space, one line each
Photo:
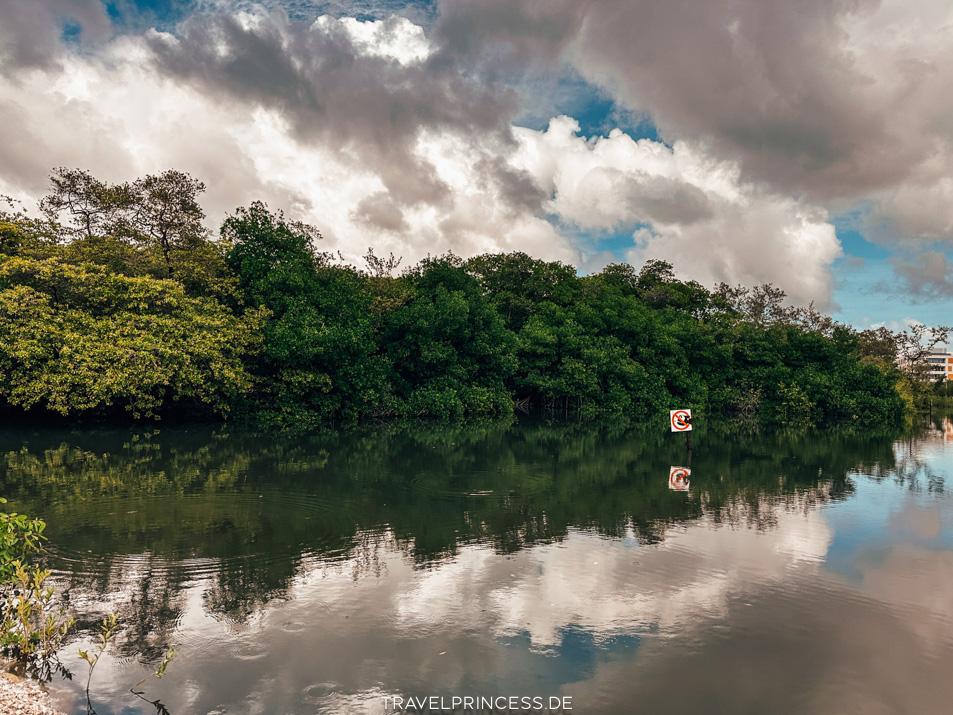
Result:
32,627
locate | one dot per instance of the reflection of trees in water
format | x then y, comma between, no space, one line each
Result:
910,467
762,512
245,514
241,587
149,608
145,592
909,470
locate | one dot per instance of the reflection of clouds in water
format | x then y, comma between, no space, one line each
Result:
894,542
879,640
894,511
611,588
921,581
377,624
606,587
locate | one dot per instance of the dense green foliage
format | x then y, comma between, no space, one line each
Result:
20,536
136,309
77,338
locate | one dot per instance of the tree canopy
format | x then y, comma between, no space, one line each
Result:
132,306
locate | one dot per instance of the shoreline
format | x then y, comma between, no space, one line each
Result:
23,696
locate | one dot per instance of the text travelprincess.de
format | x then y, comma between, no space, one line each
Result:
494,704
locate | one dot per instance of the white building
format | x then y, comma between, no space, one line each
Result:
940,362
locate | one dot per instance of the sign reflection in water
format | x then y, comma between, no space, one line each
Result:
801,573
679,478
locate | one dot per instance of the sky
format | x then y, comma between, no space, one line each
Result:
808,145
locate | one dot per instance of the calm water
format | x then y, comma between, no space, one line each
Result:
798,573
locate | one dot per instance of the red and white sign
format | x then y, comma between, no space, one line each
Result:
681,420
679,478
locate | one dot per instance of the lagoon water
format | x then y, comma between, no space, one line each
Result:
799,572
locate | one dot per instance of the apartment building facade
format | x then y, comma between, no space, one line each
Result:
940,362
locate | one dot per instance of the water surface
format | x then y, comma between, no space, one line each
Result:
799,572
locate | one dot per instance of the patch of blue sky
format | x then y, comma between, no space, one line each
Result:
578,652
164,14
855,245
72,32
867,288
850,227
882,516
869,293
617,240
136,14
597,112
860,295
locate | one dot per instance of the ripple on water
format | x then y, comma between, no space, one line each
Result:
247,649
192,537
434,485
317,693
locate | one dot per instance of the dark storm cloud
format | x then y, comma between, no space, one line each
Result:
927,276
664,200
773,83
766,81
31,30
379,210
373,108
508,36
515,187
771,110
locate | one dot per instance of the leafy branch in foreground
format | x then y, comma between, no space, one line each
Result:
31,626
159,672
19,536
107,632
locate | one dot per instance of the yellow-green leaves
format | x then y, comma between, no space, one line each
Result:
76,339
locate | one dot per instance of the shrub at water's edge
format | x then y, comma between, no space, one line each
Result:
32,626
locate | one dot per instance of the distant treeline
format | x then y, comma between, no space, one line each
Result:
121,302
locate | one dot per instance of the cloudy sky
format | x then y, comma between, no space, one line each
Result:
805,144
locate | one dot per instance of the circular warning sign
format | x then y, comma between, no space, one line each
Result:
679,478
681,420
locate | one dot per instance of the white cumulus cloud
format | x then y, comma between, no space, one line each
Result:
685,206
